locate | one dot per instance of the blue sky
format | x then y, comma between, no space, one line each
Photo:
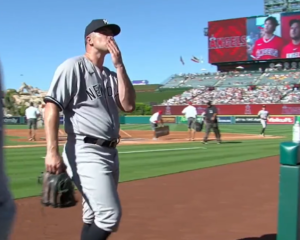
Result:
36,36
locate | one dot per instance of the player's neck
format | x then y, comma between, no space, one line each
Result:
97,58
296,42
268,35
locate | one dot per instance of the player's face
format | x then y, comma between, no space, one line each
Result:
295,31
99,39
262,32
269,27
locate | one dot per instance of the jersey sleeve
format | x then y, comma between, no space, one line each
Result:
64,84
183,111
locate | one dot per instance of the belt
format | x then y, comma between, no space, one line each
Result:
102,142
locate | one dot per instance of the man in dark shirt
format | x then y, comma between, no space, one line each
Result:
211,121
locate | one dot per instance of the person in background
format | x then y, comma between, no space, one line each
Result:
269,46
292,50
32,114
211,122
264,115
190,113
154,120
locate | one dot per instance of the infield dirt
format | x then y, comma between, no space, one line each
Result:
231,202
142,137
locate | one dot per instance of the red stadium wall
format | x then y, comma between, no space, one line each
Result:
241,109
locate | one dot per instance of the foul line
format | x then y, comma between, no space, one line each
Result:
163,150
128,135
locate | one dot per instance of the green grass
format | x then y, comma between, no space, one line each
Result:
25,164
146,87
159,97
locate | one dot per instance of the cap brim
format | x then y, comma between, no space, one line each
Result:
113,27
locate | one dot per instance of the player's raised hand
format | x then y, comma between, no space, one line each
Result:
115,52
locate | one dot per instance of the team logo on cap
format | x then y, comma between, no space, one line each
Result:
105,21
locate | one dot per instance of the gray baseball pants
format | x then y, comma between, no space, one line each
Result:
95,172
215,128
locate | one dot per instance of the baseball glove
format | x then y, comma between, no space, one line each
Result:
57,190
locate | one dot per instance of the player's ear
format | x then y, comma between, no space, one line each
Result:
89,40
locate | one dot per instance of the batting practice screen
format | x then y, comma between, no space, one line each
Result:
275,36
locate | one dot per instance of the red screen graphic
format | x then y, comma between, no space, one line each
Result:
227,40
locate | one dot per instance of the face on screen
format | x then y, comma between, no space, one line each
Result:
269,27
295,31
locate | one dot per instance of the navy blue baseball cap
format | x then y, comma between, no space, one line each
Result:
97,24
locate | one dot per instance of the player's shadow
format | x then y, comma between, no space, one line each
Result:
264,237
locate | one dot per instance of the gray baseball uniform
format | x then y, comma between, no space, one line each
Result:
87,97
7,206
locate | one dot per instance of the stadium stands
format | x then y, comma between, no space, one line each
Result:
272,86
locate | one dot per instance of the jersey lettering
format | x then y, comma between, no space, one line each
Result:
267,51
96,91
293,55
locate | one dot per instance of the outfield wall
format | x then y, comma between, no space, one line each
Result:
175,119
239,109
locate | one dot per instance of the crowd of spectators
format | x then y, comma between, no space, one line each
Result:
272,86
232,95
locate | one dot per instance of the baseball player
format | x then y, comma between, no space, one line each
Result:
32,113
190,113
269,46
263,114
89,95
7,206
211,122
154,120
292,50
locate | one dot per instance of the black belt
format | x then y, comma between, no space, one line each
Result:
102,142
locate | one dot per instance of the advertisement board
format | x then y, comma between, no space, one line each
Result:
140,82
275,36
225,120
11,120
281,120
247,119
240,109
169,119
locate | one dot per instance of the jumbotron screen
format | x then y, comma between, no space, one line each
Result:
275,36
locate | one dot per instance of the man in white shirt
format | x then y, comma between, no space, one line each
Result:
154,119
190,113
32,113
263,114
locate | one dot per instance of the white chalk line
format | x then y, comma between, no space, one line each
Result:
160,150
126,133
163,150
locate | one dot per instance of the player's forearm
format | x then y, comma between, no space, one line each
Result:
51,122
126,91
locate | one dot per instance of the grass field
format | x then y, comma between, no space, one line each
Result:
144,161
